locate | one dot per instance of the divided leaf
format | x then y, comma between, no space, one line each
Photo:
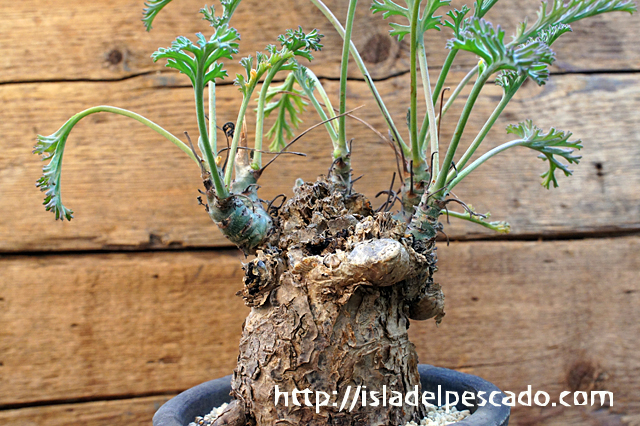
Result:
481,7
290,103
457,20
294,43
551,144
228,7
426,22
553,12
153,7
194,60
480,37
52,148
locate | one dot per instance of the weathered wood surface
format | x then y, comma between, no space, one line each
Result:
130,188
518,313
126,412
105,40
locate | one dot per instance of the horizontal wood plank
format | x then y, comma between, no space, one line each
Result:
131,189
556,315
126,412
105,40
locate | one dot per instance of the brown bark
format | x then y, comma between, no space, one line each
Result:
331,293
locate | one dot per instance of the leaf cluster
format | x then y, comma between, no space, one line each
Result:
480,37
551,144
52,148
553,12
290,103
228,8
426,22
295,43
194,59
151,10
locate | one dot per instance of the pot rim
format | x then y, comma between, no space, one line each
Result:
199,400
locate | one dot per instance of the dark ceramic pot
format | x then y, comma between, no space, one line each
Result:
199,400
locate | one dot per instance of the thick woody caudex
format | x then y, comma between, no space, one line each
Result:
332,283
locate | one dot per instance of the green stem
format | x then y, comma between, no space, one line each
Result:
482,159
413,59
462,122
221,189
363,70
506,97
139,118
344,65
431,113
444,73
257,155
236,136
501,227
463,83
213,135
321,112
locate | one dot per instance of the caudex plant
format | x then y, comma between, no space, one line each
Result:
332,283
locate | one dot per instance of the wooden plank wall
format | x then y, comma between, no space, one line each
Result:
104,318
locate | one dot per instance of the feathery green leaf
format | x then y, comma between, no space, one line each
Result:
52,148
228,8
290,103
554,12
194,59
153,7
480,37
551,144
426,22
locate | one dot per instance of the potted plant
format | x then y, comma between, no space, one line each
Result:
333,283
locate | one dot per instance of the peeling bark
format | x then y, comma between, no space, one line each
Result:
331,291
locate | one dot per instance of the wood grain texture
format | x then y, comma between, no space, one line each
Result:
105,40
555,315
127,412
130,188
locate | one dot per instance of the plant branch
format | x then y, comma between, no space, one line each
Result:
363,70
413,59
501,227
507,96
431,113
342,149
221,189
462,122
257,158
236,135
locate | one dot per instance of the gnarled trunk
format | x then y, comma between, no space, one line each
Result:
332,292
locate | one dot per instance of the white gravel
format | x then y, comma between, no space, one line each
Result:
437,416
208,419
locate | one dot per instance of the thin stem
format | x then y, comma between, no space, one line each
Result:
257,156
489,124
413,117
325,99
139,118
236,136
431,113
454,95
502,227
482,159
462,122
321,112
363,70
342,148
213,136
221,190
444,73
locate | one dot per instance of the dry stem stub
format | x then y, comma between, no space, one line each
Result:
332,291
